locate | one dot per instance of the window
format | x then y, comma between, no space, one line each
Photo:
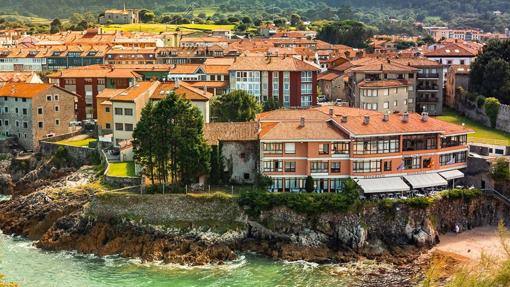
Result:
290,166
340,148
57,108
48,98
39,111
335,166
319,167
16,110
40,125
427,162
25,125
453,141
419,142
70,82
119,126
6,109
412,162
128,127
128,112
376,145
107,109
386,105
387,166
452,158
24,111
118,111
57,122
272,166
108,125
367,166
323,148
272,148
290,148
55,97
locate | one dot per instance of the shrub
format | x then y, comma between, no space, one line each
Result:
263,181
304,203
500,170
492,110
458,193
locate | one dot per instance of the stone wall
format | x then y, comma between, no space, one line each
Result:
81,155
478,114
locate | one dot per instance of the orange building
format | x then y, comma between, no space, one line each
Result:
382,152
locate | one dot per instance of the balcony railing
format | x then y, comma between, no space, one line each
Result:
427,87
428,75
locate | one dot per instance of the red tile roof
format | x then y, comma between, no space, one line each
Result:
23,90
240,131
258,63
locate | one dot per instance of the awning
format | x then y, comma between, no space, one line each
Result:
425,180
452,174
383,185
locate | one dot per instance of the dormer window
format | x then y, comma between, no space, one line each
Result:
56,54
92,53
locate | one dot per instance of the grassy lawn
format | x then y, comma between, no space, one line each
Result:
158,28
482,133
126,168
77,143
33,20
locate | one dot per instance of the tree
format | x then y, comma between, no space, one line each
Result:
351,190
168,142
500,170
270,105
295,20
347,32
490,73
309,184
55,26
491,107
236,106
147,16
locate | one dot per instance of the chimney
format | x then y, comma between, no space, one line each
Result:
405,117
205,90
366,119
331,112
176,83
424,116
386,117
302,122
344,119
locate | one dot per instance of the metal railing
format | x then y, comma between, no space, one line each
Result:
497,195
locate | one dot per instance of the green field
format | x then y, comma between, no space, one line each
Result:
77,143
482,133
33,20
158,28
122,169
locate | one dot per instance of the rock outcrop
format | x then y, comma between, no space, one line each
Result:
199,230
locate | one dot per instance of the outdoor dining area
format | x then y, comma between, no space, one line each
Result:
414,185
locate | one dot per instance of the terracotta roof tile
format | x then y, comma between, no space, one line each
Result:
258,63
22,90
383,84
241,131
184,89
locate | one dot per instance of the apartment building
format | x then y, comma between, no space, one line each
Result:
380,85
31,112
453,53
382,152
88,81
22,59
429,84
63,57
119,110
120,55
289,80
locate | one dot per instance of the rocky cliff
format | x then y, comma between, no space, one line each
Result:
206,229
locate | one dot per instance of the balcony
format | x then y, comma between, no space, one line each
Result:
427,75
427,87
427,99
